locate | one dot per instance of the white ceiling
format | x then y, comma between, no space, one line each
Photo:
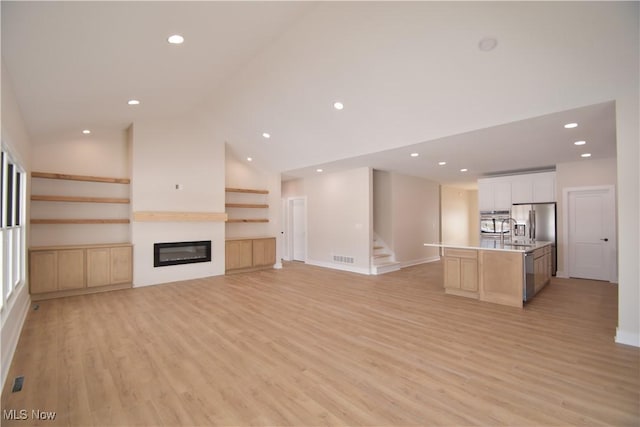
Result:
410,74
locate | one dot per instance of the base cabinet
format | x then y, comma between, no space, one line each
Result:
73,270
541,267
461,272
249,254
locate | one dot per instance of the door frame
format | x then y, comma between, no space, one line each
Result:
613,253
289,227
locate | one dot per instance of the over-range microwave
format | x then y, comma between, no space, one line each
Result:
491,223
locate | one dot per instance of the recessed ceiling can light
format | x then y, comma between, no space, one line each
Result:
415,154
176,39
249,159
86,131
338,105
570,125
487,43
442,163
579,142
318,170
133,102
464,170
585,155
266,135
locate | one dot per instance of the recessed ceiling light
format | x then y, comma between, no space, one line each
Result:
415,154
585,155
318,170
86,131
579,142
133,102
249,159
338,105
266,135
442,163
570,125
487,44
464,170
176,39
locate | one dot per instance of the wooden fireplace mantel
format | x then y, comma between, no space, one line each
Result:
172,216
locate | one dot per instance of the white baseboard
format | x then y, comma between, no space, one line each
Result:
342,267
419,261
278,265
561,274
12,326
628,338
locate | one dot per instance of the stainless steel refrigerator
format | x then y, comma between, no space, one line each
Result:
536,221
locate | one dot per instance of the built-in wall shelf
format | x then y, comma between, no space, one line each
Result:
80,221
245,190
67,177
247,205
77,199
251,199
165,216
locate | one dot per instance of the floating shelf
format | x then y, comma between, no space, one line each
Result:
248,220
247,205
80,221
80,178
246,190
78,199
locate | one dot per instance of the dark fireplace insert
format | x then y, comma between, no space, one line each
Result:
174,253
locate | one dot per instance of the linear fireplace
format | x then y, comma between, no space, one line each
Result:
181,253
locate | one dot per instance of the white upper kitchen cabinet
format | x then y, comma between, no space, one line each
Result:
494,194
533,188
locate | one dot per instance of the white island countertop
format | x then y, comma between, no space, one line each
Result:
493,244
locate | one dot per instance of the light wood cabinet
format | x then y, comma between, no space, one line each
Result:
461,271
238,254
245,254
73,270
541,267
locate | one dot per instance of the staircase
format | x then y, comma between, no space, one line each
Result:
382,258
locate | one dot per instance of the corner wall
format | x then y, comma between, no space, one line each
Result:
339,219
416,219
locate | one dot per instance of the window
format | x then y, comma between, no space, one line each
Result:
12,233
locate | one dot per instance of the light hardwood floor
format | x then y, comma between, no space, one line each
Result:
310,346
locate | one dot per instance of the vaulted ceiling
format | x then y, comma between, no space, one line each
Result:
411,76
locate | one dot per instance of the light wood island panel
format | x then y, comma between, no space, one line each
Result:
501,277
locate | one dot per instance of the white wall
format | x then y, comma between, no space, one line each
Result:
416,218
165,153
16,141
243,174
456,214
339,218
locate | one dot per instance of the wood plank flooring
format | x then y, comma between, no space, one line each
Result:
306,346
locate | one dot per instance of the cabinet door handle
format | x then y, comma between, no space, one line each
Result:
605,239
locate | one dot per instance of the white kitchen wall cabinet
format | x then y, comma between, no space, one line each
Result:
494,194
533,188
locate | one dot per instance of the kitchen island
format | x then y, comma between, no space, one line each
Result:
505,273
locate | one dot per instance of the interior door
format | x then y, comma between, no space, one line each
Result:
299,229
591,234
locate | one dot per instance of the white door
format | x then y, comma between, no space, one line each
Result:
591,234
299,229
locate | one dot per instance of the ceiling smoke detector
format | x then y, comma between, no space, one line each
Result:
488,43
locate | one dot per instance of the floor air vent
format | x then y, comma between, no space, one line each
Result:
18,382
343,259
